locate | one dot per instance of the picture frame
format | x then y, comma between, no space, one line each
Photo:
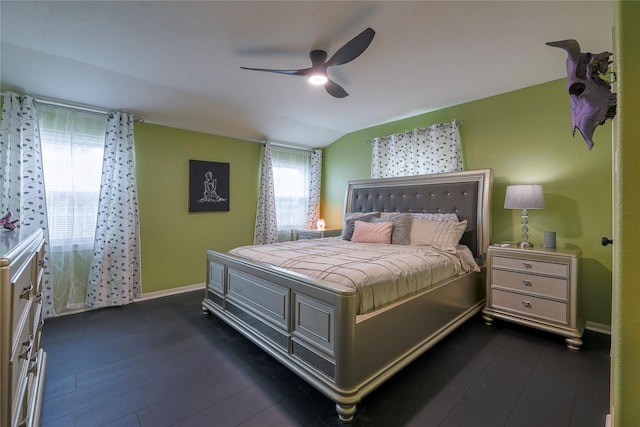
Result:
208,186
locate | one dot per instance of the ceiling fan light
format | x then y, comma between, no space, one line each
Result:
318,79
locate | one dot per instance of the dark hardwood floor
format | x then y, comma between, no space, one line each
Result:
163,363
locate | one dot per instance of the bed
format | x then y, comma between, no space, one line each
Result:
319,329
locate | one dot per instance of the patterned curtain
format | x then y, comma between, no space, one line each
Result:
435,149
21,178
114,278
266,230
315,173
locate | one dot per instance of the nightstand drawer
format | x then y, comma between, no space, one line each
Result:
531,266
304,234
529,305
539,285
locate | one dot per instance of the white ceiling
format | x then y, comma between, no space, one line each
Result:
176,63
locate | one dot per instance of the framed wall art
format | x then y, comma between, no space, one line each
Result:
208,186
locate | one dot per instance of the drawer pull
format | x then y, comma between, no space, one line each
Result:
527,304
527,265
527,283
29,345
33,368
26,291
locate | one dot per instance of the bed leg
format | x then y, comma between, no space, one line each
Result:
345,412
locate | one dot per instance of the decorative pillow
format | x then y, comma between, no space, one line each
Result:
437,216
442,234
372,232
401,227
350,218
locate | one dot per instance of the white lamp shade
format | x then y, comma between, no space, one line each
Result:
529,196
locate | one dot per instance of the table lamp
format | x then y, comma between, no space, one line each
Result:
524,197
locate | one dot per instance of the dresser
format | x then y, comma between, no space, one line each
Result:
302,234
536,287
22,361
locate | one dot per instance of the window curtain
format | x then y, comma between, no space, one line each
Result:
315,174
266,230
21,174
114,277
291,180
434,149
72,151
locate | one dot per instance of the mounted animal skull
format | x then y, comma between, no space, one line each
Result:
592,102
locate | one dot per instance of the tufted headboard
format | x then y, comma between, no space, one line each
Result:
466,194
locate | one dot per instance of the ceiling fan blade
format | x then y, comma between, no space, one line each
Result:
334,89
353,48
301,72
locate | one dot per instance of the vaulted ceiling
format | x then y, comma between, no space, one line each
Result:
177,63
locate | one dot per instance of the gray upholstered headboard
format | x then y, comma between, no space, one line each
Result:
466,194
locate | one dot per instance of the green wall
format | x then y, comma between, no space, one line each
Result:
173,241
626,304
525,137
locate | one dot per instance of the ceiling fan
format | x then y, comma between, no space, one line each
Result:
317,73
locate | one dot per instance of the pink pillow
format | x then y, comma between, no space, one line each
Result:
372,232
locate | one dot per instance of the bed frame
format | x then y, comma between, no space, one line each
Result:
312,327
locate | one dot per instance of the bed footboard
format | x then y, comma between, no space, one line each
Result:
305,324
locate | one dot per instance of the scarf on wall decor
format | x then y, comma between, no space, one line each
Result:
592,102
434,149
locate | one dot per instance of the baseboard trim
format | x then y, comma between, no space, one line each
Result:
598,327
609,421
172,291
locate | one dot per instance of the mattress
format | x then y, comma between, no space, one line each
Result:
380,273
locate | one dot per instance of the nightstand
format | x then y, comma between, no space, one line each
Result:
316,234
537,288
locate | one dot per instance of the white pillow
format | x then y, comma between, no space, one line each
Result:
372,232
441,234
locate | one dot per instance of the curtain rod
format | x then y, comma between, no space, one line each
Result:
295,147
74,106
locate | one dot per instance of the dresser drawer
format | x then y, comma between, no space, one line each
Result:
529,305
39,273
20,403
532,266
37,323
552,287
35,388
23,346
22,291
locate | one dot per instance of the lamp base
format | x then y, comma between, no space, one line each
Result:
524,245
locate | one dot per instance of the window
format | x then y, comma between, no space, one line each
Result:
291,169
72,151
